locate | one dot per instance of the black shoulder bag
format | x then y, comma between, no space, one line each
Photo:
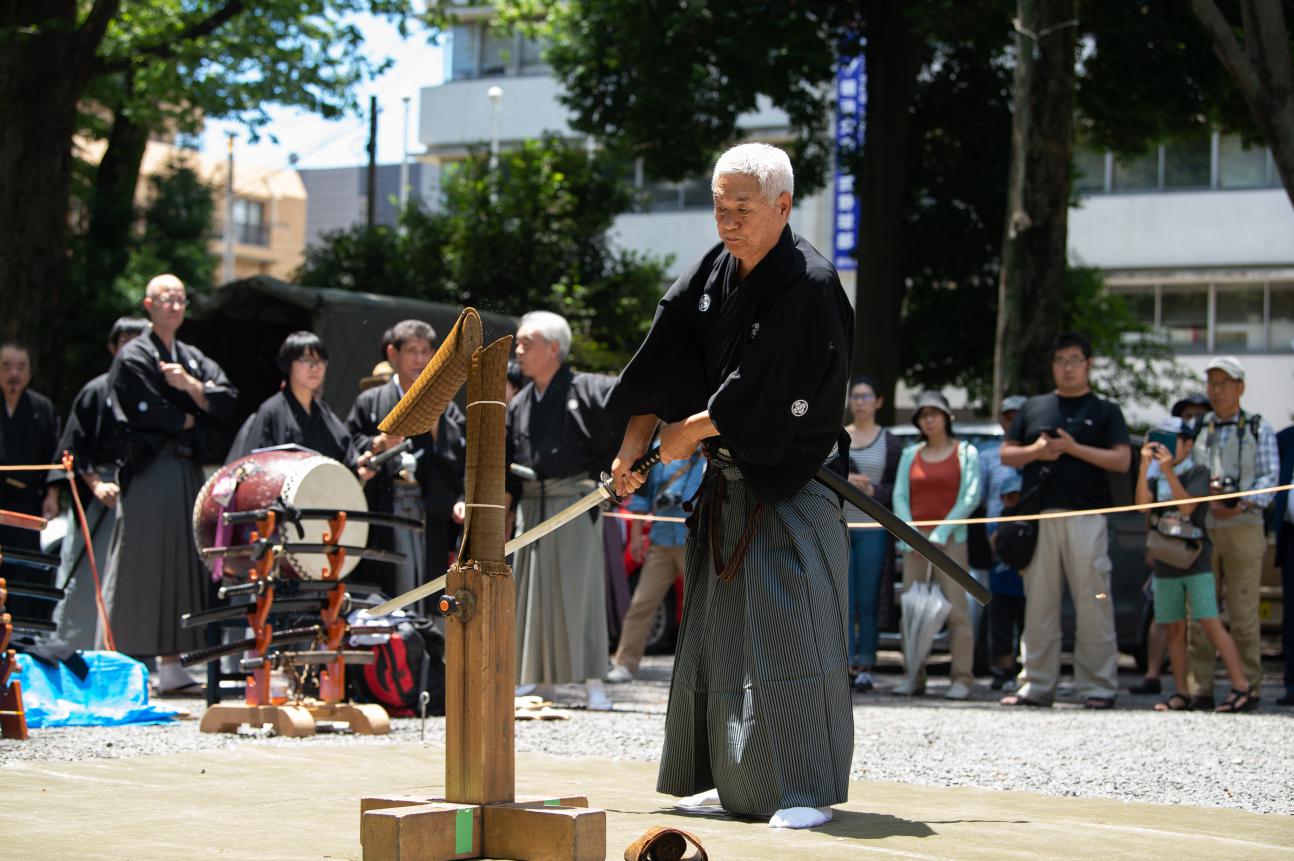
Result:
1015,540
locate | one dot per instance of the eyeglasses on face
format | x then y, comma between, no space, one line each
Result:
313,362
1070,362
175,300
862,398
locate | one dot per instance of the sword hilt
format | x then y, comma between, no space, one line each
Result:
643,464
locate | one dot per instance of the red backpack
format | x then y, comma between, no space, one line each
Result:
412,661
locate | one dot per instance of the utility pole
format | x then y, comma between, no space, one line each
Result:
404,159
228,267
372,161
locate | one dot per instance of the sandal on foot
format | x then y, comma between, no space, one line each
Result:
1017,700
1098,703
1238,701
1175,703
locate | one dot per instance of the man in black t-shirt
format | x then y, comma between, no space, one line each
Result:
1068,441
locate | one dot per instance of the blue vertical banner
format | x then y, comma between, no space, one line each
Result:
851,122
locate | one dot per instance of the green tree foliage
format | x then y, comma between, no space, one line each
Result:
532,235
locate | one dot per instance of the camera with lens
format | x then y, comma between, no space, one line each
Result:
668,500
1224,484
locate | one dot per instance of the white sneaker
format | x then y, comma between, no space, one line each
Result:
908,688
619,675
598,701
957,691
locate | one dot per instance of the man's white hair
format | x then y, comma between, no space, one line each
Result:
160,283
551,327
768,164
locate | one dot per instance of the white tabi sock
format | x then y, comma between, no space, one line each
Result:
707,801
800,817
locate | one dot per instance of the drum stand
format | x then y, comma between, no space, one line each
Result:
479,815
296,715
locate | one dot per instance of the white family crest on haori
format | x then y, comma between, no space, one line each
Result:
704,304
754,330
799,408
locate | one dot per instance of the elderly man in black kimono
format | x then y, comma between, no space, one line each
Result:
172,405
750,354
557,426
431,488
28,435
90,435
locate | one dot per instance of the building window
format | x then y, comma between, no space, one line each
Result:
1280,319
1238,318
249,222
1239,165
1187,163
1137,173
1089,170
1184,316
478,50
1224,318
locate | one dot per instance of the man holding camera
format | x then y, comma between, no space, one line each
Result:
668,487
1240,451
1066,443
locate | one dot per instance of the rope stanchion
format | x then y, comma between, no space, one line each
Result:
30,467
108,639
1012,518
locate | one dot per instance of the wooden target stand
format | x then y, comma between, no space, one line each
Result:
297,715
479,815
13,717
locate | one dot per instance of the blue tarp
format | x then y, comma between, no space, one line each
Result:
113,692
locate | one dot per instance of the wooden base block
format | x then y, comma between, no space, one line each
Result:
414,827
545,833
422,832
363,718
290,721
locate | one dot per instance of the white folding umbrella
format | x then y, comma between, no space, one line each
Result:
924,611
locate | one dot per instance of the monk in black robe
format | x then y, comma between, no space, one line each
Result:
173,405
750,354
29,430
424,483
92,438
558,427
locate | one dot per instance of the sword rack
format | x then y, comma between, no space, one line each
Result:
13,717
479,814
290,709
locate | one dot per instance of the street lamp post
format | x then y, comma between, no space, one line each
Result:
404,159
496,96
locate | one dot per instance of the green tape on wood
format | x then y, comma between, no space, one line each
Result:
553,802
463,831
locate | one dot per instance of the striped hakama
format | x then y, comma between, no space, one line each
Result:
561,590
153,574
759,705
77,615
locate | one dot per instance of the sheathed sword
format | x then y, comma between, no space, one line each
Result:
604,491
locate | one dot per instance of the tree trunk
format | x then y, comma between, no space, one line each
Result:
112,203
893,55
35,176
1032,282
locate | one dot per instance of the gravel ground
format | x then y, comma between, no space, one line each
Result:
1132,753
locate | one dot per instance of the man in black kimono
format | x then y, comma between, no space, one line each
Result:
750,354
558,427
28,435
172,405
90,435
426,482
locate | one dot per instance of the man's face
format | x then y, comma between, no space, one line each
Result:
1070,369
15,371
749,223
410,358
165,307
537,356
1007,419
1224,392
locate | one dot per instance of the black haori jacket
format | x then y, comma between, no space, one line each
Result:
769,357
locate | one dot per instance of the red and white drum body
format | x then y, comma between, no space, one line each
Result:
303,479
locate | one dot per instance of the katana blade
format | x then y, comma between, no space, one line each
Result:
539,530
905,533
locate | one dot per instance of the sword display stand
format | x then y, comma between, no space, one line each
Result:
291,713
479,815
13,718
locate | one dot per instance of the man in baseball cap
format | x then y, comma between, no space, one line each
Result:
1240,451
